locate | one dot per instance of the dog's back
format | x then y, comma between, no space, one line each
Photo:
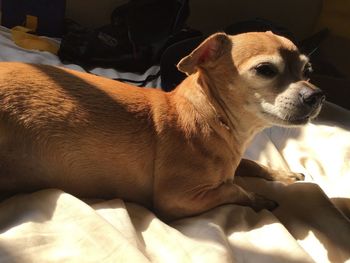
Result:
56,121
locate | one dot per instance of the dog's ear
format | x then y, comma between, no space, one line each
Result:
208,51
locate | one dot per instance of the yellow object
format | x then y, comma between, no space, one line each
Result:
29,41
335,15
21,29
32,22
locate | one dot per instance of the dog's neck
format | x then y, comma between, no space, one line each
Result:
234,124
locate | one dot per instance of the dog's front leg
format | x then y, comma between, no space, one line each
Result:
253,169
200,201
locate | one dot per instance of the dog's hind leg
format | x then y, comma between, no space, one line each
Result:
253,169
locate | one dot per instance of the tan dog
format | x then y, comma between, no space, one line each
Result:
176,152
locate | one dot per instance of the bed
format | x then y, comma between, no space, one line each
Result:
311,224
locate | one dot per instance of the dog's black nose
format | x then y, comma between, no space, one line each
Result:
312,97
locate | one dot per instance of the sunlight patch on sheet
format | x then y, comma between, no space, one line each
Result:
314,247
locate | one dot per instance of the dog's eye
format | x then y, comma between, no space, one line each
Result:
266,70
307,71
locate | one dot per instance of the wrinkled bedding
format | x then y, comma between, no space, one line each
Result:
311,224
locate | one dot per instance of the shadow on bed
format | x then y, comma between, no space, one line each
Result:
334,115
207,227
343,204
242,254
305,209
10,256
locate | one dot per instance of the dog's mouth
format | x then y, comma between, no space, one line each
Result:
298,120
291,119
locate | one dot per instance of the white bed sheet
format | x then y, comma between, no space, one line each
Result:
310,225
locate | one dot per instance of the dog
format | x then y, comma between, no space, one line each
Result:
175,153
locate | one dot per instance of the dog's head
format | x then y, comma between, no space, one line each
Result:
263,72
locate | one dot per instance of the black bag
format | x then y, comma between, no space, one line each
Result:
138,34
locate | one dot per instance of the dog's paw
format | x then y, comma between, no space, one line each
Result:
260,202
291,177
